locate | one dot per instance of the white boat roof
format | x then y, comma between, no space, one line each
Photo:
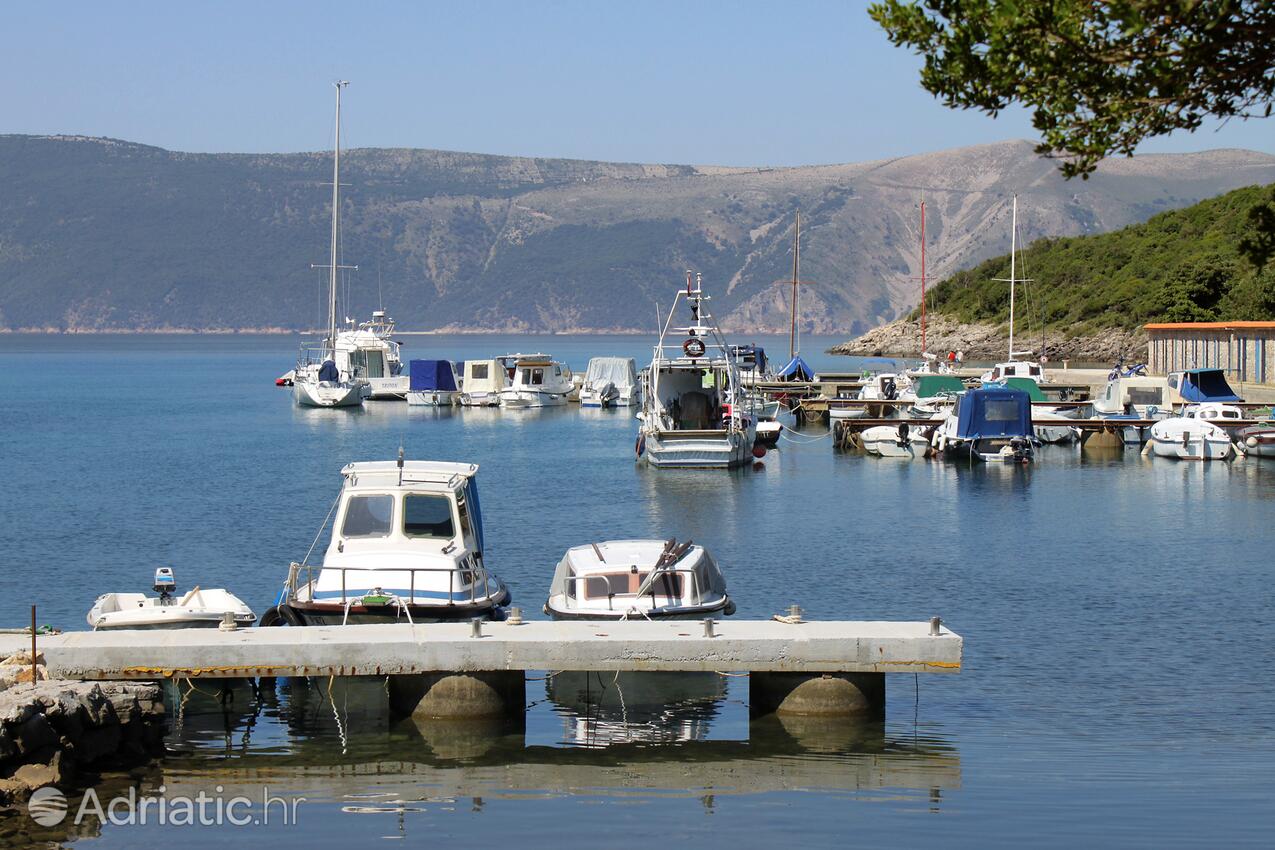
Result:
379,474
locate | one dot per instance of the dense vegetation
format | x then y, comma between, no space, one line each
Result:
1198,264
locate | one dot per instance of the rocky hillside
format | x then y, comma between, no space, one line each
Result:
97,234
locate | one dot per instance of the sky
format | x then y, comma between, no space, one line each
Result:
728,83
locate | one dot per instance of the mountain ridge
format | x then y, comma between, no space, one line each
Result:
106,234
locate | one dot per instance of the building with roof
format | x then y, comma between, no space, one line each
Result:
1242,349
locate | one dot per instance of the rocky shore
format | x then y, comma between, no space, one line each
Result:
985,341
54,729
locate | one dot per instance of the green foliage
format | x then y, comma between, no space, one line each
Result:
1181,266
1099,77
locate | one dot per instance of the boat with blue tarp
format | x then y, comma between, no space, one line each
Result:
433,383
992,423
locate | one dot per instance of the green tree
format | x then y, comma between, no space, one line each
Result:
1259,245
1099,75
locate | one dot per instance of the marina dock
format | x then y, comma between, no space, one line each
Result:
460,669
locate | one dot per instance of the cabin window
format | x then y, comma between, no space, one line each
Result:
368,516
428,516
669,584
557,370
1173,381
602,586
1000,411
1033,370
1149,395
537,376
478,371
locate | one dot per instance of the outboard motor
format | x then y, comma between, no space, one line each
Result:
903,435
890,390
165,584
1021,447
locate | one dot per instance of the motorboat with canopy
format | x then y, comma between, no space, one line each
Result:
319,380
695,413
483,382
610,382
198,608
433,383
406,546
993,423
638,579
1200,386
1051,424
536,380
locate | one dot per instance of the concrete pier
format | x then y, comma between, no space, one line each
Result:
458,670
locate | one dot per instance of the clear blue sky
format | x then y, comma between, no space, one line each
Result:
735,83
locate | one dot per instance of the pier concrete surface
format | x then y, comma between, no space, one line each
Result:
463,669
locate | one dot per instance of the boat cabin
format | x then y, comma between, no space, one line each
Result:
413,531
933,386
1135,395
994,412
1212,411
1015,369
693,397
1199,386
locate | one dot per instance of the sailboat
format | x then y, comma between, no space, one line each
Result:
930,364
318,380
1014,368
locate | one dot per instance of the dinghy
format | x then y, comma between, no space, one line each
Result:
196,609
1192,436
638,579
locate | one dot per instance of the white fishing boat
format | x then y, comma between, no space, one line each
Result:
406,546
432,383
483,382
1192,436
694,411
610,382
638,579
537,381
888,441
319,381
369,353
195,609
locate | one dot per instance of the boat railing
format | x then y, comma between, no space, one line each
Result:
572,581
477,575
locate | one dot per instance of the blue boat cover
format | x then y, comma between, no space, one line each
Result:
994,411
751,357
432,376
796,370
1206,385
329,372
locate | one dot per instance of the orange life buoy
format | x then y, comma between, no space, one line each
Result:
693,347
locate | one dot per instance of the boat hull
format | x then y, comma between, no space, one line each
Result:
388,389
1194,448
532,398
323,394
435,398
721,607
479,399
699,450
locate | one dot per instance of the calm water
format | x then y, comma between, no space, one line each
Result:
1116,611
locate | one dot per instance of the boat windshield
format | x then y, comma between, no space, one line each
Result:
368,516
428,516
998,410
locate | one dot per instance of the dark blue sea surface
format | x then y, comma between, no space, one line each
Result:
1117,615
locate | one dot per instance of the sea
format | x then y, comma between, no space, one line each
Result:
1116,610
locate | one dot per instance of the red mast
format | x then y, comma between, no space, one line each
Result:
923,348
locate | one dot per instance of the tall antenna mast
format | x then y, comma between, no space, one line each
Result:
336,214
1013,269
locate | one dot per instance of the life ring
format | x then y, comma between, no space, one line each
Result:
694,347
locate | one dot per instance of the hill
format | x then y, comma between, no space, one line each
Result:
1089,296
100,234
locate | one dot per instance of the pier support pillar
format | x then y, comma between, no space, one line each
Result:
817,694
448,695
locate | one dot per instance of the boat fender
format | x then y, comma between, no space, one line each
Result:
640,445
1251,442
279,615
729,610
759,451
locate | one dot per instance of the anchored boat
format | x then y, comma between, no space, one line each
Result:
993,423
433,383
195,609
610,382
638,579
695,412
1193,435
537,380
369,353
406,546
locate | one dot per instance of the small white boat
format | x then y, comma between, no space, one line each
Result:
406,546
483,382
1257,440
538,381
887,441
638,579
1029,369
433,383
369,353
196,609
1190,437
610,382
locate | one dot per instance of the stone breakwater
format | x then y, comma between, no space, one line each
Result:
53,729
986,341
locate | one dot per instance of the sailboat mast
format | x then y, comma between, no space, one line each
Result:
336,217
923,348
793,347
1013,268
